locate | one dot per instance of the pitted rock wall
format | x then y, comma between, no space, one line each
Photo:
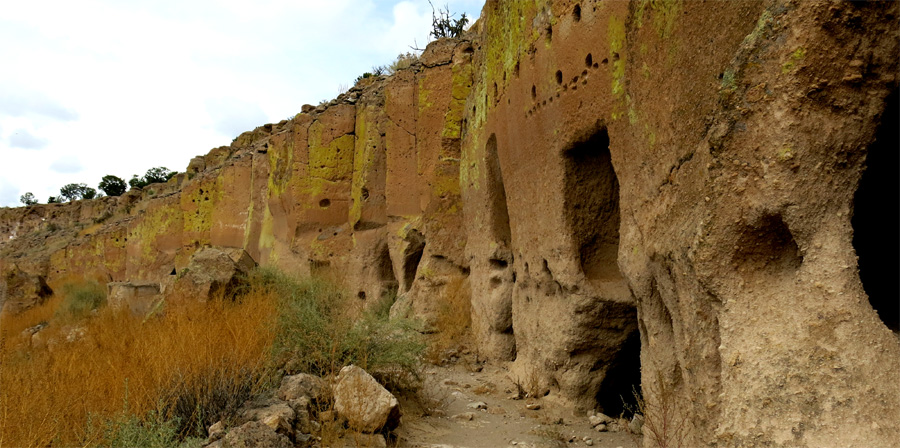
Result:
648,194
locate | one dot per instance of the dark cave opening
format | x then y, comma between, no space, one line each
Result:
621,386
876,218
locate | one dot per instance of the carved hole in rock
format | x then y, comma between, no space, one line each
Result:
876,219
495,282
411,264
361,295
324,203
576,13
498,264
174,272
622,380
516,70
365,194
559,77
592,204
533,92
497,193
767,246
549,33
589,60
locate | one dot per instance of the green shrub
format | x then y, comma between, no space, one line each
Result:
79,299
321,330
154,431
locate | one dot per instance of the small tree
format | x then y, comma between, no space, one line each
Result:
74,192
112,185
53,200
152,176
444,25
28,199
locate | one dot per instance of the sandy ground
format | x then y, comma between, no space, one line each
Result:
447,417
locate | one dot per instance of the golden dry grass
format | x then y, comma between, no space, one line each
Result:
49,393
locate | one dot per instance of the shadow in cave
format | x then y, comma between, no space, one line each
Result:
876,218
623,380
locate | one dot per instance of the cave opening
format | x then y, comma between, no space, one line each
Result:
592,205
621,387
411,258
876,218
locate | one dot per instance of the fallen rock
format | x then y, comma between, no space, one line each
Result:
216,431
255,435
213,272
137,297
533,406
20,290
636,425
477,405
598,418
367,405
295,387
279,416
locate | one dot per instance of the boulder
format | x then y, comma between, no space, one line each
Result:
294,387
255,435
367,405
213,272
138,297
20,290
275,414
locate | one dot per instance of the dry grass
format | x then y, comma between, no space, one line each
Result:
453,321
128,380
192,356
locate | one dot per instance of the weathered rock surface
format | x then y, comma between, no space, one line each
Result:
213,273
254,435
140,297
20,291
663,194
295,387
367,405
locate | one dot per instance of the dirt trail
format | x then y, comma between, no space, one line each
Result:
455,391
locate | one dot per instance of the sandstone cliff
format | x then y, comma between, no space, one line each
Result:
666,194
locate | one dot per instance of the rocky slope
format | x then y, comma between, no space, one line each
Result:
671,195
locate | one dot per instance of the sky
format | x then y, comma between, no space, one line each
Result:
99,87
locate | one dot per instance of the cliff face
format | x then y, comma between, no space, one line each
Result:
659,194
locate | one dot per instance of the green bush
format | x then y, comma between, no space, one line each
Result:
79,299
153,431
319,331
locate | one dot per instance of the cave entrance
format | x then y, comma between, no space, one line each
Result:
621,387
876,218
592,205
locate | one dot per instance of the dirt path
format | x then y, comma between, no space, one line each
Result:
470,409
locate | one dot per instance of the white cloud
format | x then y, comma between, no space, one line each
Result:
67,165
23,139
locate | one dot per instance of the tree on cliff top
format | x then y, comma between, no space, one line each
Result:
152,176
444,25
112,185
28,199
74,192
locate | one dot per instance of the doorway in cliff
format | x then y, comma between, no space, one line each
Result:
592,204
876,218
502,275
621,387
